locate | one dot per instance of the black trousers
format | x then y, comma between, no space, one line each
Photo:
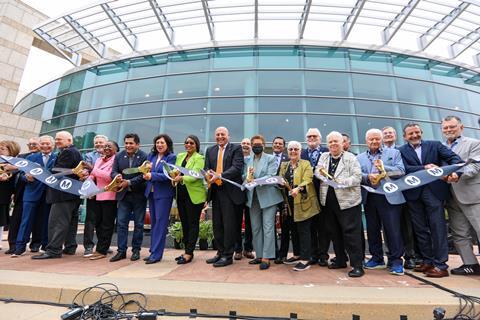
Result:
344,227
190,218
105,214
320,239
14,224
225,220
248,237
90,223
407,234
289,231
304,229
62,227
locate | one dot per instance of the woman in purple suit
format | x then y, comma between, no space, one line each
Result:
160,193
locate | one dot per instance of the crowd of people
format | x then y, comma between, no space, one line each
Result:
312,213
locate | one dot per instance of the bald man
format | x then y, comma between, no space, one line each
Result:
63,220
227,199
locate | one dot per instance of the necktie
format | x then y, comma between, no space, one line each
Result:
46,157
219,169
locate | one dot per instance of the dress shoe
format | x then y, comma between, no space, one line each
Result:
183,260
10,251
424,267
135,256
44,256
18,253
322,262
248,254
264,265
356,272
119,256
176,258
152,261
214,259
409,264
237,256
34,249
97,256
437,273
335,265
255,261
223,262
68,252
148,258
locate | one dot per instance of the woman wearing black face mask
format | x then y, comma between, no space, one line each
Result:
262,201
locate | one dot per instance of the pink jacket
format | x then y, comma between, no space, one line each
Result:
101,172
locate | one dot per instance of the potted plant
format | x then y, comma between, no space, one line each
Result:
175,231
205,234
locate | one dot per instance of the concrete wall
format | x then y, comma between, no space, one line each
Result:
16,36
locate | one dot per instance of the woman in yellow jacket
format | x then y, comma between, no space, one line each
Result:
191,196
302,201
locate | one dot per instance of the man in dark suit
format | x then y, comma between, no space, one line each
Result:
131,198
35,209
63,220
426,203
320,241
224,160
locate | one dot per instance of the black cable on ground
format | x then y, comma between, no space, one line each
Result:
52,304
467,302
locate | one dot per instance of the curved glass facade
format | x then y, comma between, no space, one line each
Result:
281,90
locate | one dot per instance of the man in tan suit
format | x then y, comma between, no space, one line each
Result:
464,206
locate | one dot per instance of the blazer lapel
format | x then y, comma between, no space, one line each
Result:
261,165
425,151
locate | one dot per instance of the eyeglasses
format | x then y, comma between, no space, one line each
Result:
190,143
312,136
293,149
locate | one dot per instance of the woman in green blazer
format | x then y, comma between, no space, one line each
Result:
191,196
302,201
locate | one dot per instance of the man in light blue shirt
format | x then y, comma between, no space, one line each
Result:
378,211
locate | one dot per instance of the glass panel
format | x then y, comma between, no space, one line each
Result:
280,105
145,90
367,86
280,82
108,95
446,73
193,85
188,61
84,135
111,72
344,106
289,125
361,60
419,113
472,133
467,119
71,82
148,66
376,108
474,101
279,57
327,124
145,128
232,83
327,83
186,107
234,123
451,97
325,58
66,104
177,130
410,66
365,123
231,105
233,58
415,91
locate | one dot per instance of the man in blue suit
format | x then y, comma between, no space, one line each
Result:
320,241
378,211
426,202
131,198
35,209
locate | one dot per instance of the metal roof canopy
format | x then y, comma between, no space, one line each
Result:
449,29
